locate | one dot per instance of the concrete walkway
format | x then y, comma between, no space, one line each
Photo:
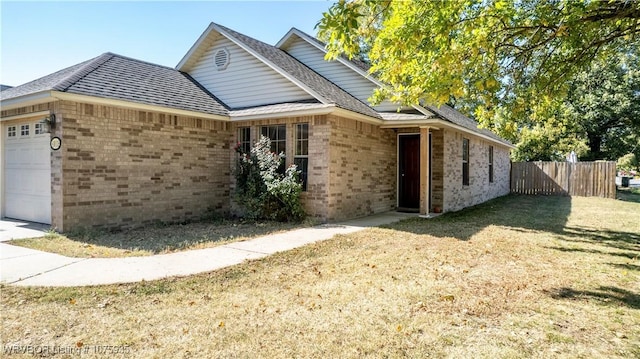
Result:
15,229
28,267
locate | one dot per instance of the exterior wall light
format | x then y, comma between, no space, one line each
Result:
49,123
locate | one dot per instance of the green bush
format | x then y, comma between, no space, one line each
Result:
628,162
264,192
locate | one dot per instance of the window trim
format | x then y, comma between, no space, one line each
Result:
25,130
276,143
490,164
465,161
304,157
278,140
12,132
38,128
244,144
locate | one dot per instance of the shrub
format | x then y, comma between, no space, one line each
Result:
262,190
628,162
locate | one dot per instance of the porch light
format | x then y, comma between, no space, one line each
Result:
48,123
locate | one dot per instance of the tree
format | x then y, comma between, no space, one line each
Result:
605,103
599,119
500,61
628,162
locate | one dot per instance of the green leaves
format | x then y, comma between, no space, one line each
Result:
262,190
506,63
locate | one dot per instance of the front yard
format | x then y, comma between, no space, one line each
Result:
156,239
516,277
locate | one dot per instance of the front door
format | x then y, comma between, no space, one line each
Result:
409,172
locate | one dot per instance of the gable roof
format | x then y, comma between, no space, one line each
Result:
443,112
357,63
317,86
115,77
112,76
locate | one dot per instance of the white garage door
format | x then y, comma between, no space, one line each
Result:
27,172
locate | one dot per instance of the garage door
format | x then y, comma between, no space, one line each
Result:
27,172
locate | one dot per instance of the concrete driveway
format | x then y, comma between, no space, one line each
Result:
16,229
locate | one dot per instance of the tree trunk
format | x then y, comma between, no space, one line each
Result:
595,141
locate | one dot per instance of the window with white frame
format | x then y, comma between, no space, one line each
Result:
24,130
244,139
278,136
39,128
465,161
301,156
11,131
490,164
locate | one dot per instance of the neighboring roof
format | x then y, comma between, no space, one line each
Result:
328,91
117,77
4,87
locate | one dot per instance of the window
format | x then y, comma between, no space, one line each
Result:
465,162
244,139
278,136
301,157
490,164
11,131
39,128
24,130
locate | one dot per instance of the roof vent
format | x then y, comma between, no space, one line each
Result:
221,58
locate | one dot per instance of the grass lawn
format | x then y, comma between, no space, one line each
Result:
153,239
516,277
631,194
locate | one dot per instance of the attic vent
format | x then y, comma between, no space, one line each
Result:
221,58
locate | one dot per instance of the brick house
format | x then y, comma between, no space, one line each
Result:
141,143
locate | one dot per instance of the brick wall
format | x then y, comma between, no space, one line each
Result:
352,165
456,196
315,199
362,172
437,169
124,168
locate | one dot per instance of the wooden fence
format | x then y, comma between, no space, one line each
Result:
587,179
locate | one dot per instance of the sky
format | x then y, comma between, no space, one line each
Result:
39,38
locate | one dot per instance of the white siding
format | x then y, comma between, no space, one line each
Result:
336,72
246,81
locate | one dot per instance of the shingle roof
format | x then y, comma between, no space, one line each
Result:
277,108
117,77
325,88
457,118
401,116
444,112
46,83
4,87
355,61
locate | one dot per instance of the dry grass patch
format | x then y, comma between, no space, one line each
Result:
152,240
516,277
